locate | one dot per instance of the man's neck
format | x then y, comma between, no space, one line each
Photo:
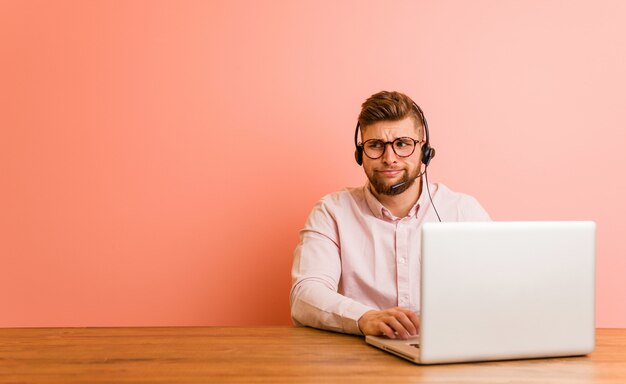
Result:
400,205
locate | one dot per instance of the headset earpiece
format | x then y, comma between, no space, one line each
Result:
358,152
358,155
428,153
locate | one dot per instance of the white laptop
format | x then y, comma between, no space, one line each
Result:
503,290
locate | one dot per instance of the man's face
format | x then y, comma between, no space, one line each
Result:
391,169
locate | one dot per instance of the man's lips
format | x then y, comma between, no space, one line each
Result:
389,172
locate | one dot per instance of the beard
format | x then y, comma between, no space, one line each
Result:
383,189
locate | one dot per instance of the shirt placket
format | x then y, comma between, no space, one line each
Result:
402,263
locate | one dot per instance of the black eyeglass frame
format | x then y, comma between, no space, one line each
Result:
393,148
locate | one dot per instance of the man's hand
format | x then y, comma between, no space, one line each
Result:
393,322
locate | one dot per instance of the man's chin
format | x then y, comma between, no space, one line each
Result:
386,188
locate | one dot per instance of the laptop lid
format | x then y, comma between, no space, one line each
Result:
507,290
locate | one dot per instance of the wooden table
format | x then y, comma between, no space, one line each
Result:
266,355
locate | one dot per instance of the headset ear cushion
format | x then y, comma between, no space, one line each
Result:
428,153
358,155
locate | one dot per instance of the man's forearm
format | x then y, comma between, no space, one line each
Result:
315,305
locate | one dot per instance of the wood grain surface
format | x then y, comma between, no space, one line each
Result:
266,355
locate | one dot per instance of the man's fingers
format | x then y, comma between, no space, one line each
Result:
407,324
409,319
386,330
393,323
414,321
398,326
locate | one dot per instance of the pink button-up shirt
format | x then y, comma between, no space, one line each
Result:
355,256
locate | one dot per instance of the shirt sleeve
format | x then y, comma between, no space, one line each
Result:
471,210
316,273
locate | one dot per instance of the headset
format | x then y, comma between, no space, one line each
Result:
428,152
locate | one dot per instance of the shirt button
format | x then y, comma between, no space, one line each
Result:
401,260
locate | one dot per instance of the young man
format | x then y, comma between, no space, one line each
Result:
357,267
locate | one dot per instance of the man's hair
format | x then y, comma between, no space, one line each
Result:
386,105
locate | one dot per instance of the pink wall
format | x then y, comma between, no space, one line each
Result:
157,158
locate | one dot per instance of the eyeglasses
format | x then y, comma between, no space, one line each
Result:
402,147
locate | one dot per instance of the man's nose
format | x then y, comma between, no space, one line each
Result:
389,156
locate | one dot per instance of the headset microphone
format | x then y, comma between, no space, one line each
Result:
412,179
395,186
